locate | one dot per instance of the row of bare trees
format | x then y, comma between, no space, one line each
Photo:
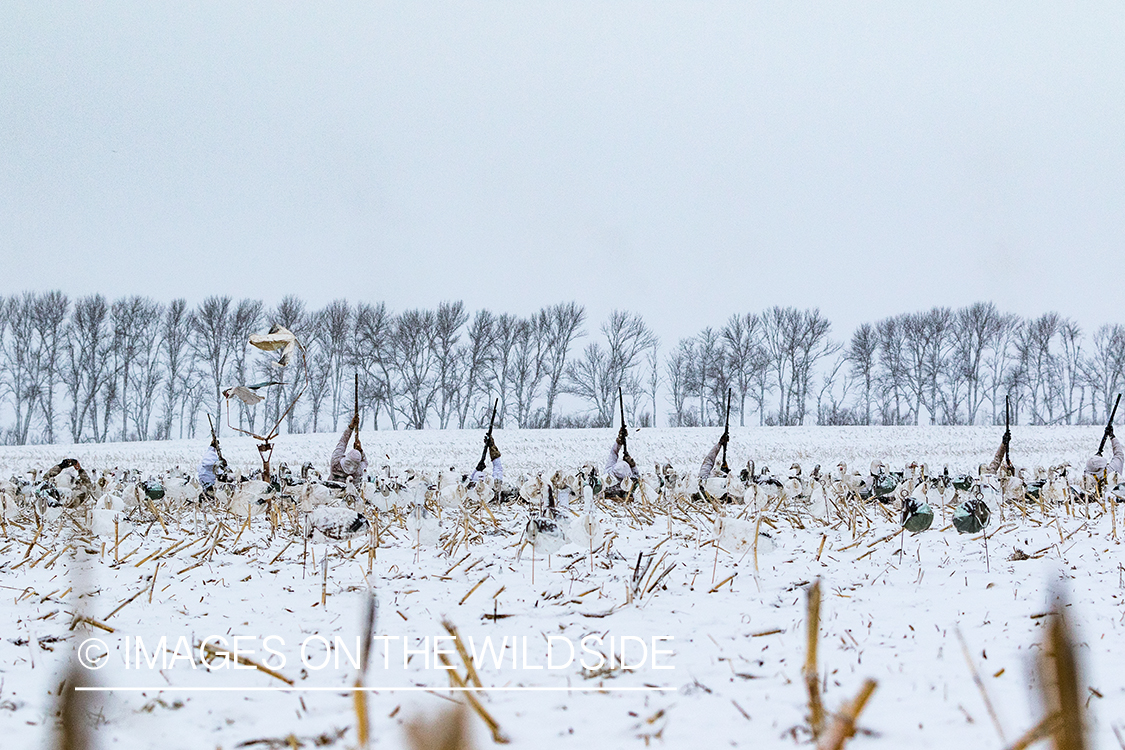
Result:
134,368
940,366
769,360
946,366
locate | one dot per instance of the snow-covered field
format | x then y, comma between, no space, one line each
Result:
538,450
735,651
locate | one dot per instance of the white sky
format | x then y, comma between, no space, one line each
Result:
682,160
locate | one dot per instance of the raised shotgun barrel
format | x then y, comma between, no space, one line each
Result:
726,434
488,436
1109,424
621,401
215,440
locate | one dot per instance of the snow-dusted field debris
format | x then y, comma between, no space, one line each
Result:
707,601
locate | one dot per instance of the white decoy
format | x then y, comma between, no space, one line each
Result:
423,528
334,523
716,486
770,485
818,500
181,490
587,532
794,484
544,535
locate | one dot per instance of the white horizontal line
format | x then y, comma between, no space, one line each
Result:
370,689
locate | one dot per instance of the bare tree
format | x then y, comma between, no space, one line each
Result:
924,335
50,327
976,329
3,353
22,364
373,351
741,339
130,320
833,393
476,362
653,378
795,341
708,371
526,367
563,325
761,383
414,353
680,377
320,383
332,331
596,377
504,336
196,390
451,317
86,362
1105,369
136,334
892,369
247,319
812,345
211,334
174,333
1001,371
292,315
779,334
148,371
861,355
1070,370
1038,365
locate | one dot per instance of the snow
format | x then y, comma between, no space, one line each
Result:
737,649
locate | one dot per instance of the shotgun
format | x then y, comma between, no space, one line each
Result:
1007,430
488,436
215,439
621,400
726,434
1109,424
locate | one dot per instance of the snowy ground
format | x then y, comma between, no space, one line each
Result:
962,448
736,652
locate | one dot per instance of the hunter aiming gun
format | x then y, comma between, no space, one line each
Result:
726,435
488,436
1007,432
223,467
1109,424
623,432
355,416
215,440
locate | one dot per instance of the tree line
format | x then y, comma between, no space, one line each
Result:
941,366
95,370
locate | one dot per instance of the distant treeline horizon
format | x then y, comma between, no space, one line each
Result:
95,370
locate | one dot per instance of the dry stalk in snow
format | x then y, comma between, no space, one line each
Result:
212,651
72,713
1060,682
811,672
1043,729
843,726
454,677
470,671
980,686
447,731
359,695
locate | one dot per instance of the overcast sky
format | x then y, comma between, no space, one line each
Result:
681,160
